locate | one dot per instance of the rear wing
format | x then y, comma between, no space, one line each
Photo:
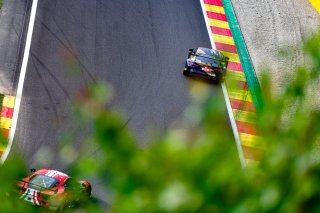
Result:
224,60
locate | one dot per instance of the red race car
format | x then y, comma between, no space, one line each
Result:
52,189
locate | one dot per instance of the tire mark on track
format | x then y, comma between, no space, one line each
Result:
33,56
153,33
47,90
89,155
74,54
69,49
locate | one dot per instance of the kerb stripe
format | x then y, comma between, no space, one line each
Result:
235,75
8,101
6,109
5,123
244,116
6,112
248,128
235,66
214,8
218,23
252,153
243,105
233,57
221,31
252,141
5,133
224,39
218,16
239,94
226,47
241,85
213,2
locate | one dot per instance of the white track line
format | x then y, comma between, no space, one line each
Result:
21,80
226,96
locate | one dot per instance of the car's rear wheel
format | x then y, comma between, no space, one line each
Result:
186,71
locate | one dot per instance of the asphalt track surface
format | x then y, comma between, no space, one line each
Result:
139,47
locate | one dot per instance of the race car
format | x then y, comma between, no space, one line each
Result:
206,62
53,189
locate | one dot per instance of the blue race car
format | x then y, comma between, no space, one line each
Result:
206,62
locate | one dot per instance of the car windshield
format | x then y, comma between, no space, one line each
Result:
42,181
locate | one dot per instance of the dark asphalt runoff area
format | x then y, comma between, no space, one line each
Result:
139,47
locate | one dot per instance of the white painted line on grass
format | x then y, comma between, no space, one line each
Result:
226,95
21,80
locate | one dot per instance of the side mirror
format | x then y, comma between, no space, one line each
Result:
33,170
190,50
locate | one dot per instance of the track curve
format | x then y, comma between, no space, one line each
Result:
139,47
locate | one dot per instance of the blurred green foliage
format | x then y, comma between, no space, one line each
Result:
198,169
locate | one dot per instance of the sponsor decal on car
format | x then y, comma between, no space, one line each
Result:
54,173
32,196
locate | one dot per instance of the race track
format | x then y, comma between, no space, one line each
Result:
139,47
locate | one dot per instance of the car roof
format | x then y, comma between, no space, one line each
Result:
61,177
206,52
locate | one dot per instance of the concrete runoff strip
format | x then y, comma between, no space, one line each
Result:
241,88
23,70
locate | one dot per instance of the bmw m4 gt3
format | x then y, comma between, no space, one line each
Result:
206,62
